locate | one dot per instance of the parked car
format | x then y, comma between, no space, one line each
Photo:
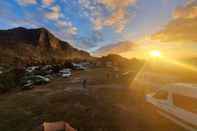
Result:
177,102
47,67
65,72
79,66
34,80
28,83
31,69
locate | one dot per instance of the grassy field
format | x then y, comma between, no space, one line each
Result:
106,105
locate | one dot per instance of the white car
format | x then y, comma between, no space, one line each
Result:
28,83
65,73
177,102
43,78
34,80
31,69
79,66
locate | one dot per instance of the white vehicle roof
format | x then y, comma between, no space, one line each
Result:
67,70
32,67
42,77
184,89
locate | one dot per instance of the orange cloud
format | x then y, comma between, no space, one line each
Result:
27,2
117,48
183,28
118,3
54,14
70,29
116,19
65,25
186,12
47,2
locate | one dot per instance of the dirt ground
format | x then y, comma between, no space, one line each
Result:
105,105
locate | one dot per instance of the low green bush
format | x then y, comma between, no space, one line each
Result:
10,79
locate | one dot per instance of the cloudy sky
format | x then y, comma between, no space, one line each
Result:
90,24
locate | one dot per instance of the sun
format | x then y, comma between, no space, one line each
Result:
155,53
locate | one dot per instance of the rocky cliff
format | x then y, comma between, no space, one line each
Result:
21,45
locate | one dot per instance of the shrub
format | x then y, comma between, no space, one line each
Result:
10,79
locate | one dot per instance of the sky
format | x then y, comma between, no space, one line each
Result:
90,24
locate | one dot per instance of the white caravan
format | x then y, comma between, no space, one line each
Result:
177,102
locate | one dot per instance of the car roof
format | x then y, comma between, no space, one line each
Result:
184,89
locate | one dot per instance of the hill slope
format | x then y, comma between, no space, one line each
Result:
35,46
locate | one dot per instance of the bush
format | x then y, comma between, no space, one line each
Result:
7,82
3,88
10,79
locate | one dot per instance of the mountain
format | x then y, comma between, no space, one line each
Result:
117,48
124,64
21,45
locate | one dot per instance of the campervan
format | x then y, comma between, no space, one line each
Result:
177,102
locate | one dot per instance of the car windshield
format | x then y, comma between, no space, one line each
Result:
161,95
185,102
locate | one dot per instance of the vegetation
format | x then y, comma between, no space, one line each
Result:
10,79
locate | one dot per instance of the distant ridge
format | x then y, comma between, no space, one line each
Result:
35,46
117,48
